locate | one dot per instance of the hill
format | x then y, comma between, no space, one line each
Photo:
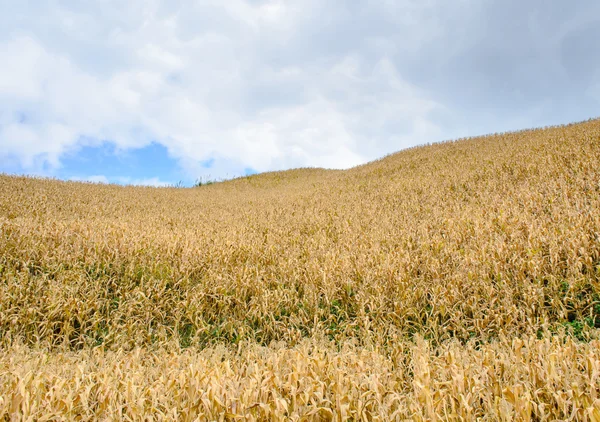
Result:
459,279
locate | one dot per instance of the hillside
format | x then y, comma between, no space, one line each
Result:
460,279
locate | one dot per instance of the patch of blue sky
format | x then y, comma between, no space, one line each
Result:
208,163
22,118
150,162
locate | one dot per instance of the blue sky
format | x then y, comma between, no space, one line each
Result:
156,92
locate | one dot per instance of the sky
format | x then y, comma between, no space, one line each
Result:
159,92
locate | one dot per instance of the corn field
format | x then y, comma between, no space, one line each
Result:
455,281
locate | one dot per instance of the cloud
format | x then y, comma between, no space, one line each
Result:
122,180
152,181
270,85
93,179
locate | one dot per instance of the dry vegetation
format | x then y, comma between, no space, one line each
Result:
453,281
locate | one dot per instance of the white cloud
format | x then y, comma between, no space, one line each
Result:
261,84
93,179
152,181
201,89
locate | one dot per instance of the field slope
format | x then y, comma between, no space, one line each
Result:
457,281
